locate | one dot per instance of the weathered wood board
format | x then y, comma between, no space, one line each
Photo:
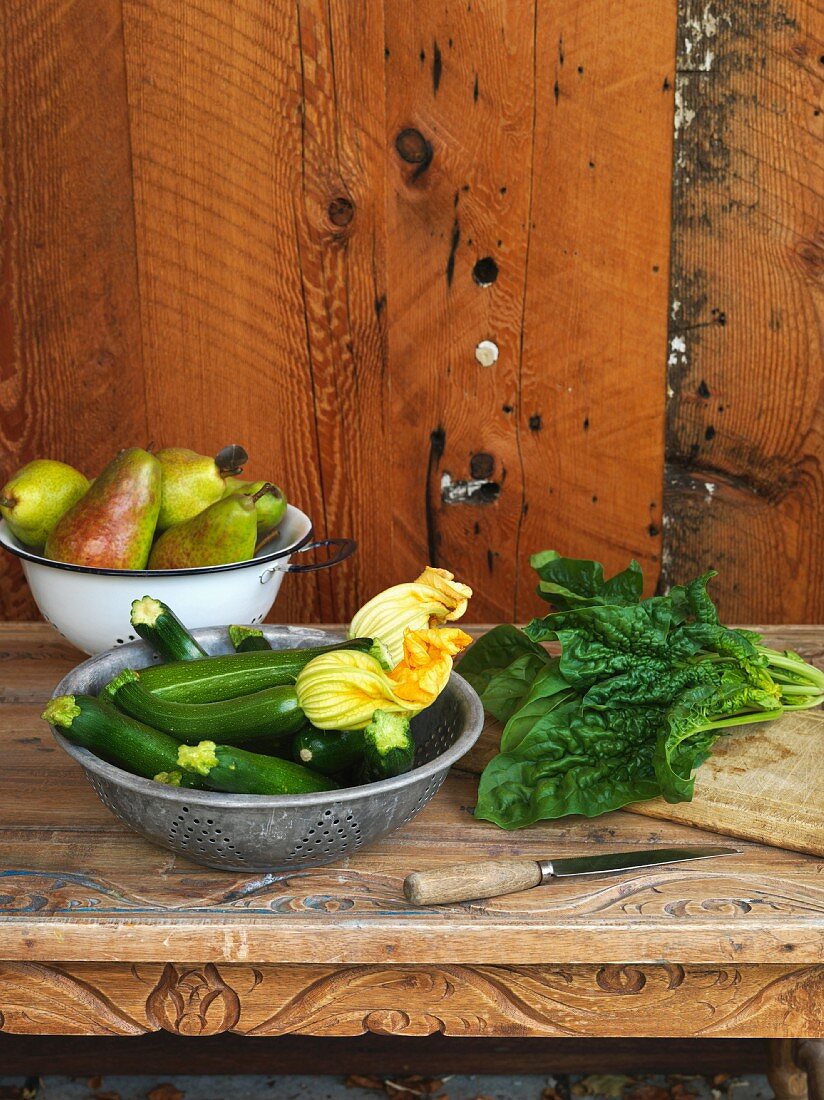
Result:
745,426
762,782
292,225
103,933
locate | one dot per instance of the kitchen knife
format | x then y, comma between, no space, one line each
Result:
491,878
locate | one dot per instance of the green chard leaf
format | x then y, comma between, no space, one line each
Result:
639,695
574,582
501,666
571,763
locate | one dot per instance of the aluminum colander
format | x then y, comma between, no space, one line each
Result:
258,833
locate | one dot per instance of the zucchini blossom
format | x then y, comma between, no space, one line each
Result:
435,597
341,690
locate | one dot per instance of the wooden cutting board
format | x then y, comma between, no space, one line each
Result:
763,782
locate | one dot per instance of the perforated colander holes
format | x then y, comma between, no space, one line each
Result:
439,740
431,789
188,831
334,832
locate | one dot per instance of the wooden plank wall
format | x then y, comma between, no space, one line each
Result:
745,430
291,225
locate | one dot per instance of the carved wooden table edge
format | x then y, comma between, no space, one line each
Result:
598,1000
94,976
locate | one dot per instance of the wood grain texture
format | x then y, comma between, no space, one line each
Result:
745,486
202,1000
71,383
460,105
291,224
215,112
71,874
591,405
762,782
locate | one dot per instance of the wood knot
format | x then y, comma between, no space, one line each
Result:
810,256
341,210
413,148
481,464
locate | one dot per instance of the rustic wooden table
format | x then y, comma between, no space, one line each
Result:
102,933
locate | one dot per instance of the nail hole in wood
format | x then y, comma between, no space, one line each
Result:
485,271
341,210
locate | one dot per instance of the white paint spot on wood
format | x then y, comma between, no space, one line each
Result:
487,353
700,25
683,114
678,352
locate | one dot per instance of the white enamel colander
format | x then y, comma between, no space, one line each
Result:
90,607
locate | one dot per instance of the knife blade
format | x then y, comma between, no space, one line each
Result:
493,878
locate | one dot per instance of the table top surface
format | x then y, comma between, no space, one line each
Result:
75,884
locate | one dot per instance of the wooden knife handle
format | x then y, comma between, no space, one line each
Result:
465,881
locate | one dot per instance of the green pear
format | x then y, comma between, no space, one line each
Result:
113,525
271,506
224,532
38,495
191,482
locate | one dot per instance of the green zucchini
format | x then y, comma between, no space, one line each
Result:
248,639
388,746
158,625
273,712
328,751
232,674
117,738
226,768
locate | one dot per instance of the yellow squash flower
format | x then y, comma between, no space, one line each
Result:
341,690
434,597
427,662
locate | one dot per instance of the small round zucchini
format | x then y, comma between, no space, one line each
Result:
388,746
249,639
328,751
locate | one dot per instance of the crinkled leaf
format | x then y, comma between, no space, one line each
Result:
574,582
549,691
501,666
603,641
572,764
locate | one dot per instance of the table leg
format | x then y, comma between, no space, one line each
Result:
809,1055
788,1080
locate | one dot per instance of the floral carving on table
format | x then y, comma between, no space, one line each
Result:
610,999
194,1001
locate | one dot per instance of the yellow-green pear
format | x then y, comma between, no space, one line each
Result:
191,481
38,496
271,506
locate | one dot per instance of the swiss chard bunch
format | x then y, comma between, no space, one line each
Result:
640,692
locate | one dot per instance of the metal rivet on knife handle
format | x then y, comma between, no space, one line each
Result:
466,881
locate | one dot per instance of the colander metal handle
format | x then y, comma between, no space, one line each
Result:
345,549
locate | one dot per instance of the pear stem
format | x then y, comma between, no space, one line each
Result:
231,460
7,502
268,487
